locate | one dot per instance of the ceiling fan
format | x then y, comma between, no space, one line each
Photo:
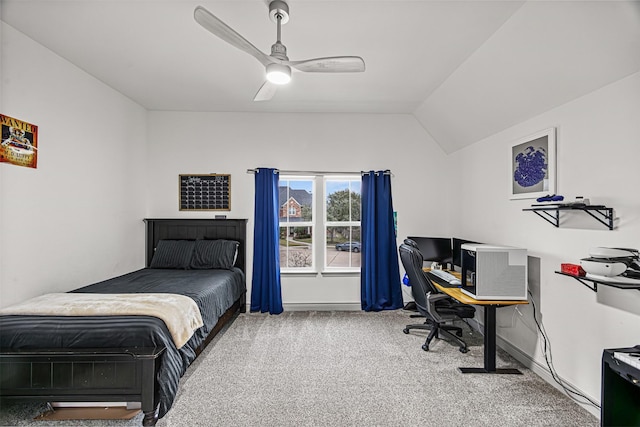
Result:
278,66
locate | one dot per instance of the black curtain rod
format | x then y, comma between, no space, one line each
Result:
288,172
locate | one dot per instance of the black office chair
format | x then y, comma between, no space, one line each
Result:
411,243
439,309
425,325
411,305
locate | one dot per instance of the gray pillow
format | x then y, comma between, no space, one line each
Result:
174,254
210,254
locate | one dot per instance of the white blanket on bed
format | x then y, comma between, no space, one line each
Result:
180,313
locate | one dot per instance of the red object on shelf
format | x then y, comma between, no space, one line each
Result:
573,269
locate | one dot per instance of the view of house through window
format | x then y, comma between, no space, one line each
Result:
300,246
296,201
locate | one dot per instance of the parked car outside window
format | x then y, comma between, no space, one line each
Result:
348,246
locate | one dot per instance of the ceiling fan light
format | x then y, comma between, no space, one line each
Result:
279,74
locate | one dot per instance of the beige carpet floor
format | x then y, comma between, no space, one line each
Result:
346,369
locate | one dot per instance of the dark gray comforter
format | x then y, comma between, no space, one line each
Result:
213,290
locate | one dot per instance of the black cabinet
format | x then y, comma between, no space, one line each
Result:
620,405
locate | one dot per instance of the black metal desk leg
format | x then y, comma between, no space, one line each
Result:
489,347
490,338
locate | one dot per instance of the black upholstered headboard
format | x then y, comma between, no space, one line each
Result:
194,229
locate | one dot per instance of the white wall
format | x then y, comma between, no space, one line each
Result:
597,157
60,230
234,142
77,218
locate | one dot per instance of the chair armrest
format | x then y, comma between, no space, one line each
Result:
431,306
436,297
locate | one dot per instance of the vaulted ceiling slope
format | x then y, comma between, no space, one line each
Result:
465,69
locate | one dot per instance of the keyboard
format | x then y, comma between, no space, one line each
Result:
631,359
446,277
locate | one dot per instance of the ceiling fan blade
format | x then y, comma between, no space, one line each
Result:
211,23
266,91
333,64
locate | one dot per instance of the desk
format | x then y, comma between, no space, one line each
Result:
489,328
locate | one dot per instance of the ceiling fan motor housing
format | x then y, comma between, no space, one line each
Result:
278,50
279,8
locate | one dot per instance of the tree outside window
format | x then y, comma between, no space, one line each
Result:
342,223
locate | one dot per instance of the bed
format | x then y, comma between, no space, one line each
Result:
130,358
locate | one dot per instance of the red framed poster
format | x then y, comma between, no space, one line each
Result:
19,144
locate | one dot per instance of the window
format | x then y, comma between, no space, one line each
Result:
342,223
301,248
296,217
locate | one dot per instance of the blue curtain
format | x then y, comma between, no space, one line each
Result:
266,292
380,273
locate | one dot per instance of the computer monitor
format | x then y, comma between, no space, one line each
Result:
434,248
457,250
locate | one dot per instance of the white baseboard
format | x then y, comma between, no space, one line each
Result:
323,306
544,373
540,370
318,306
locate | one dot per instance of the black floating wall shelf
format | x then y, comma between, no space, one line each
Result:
551,214
594,283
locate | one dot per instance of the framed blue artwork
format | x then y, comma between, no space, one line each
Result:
533,165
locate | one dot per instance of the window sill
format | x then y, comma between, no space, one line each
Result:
299,273
340,273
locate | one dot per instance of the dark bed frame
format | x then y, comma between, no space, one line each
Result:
114,374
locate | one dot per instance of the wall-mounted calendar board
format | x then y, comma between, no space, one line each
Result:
211,192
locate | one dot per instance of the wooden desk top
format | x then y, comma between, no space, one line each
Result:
458,295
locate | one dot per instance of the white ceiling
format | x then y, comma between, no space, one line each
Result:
465,69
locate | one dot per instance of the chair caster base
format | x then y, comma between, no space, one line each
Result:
425,347
405,330
464,350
